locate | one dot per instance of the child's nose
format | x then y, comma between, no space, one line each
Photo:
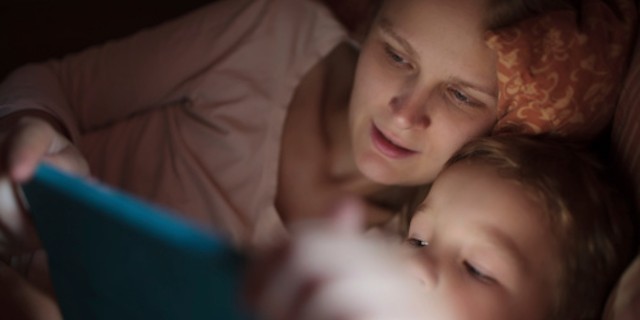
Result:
423,269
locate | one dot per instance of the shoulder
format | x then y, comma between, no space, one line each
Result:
305,22
296,13
292,10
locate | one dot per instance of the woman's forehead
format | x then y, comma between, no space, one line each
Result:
438,35
437,12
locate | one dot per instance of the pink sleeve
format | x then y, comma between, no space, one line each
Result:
119,78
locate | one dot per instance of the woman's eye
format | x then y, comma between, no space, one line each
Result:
460,97
477,274
417,243
396,58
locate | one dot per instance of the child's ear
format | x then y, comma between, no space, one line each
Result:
348,215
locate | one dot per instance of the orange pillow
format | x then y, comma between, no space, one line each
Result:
561,72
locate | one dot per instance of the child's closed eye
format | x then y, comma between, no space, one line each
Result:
416,243
478,274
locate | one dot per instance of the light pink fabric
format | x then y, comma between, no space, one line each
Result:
189,115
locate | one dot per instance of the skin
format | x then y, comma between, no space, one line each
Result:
491,254
20,300
416,95
427,82
624,303
408,100
410,91
30,137
414,92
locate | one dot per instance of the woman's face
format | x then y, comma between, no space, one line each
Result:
425,84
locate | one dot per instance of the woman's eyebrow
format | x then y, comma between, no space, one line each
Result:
387,27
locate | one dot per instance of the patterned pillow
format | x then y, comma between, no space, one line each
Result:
559,73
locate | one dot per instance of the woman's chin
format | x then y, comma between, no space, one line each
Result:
382,173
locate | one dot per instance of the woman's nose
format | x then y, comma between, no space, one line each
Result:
409,111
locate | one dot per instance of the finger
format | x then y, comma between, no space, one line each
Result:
19,299
26,148
287,289
69,160
288,298
17,233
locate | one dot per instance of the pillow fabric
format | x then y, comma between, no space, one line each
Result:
560,72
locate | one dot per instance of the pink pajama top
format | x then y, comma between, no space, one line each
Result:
189,114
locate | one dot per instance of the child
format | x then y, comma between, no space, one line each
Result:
512,228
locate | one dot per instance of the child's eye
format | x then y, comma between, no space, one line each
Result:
477,274
417,243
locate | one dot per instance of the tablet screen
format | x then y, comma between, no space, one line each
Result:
113,256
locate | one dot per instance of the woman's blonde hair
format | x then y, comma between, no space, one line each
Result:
589,216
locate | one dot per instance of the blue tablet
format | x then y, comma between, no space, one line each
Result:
112,256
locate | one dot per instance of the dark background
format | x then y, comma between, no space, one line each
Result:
34,30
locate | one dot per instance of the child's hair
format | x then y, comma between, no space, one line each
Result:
591,219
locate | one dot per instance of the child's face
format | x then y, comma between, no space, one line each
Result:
491,254
425,84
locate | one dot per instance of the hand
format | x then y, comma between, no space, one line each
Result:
25,141
19,299
332,270
28,140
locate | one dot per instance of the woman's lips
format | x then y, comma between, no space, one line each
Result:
388,147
